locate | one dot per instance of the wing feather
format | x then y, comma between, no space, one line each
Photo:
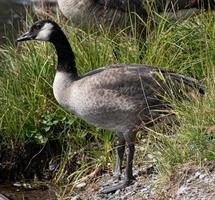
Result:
142,81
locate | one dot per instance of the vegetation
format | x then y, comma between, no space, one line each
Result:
30,113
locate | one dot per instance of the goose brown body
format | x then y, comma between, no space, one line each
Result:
117,97
124,98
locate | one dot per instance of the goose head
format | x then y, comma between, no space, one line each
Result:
48,30
43,30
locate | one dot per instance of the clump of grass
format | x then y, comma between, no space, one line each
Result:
188,48
192,141
29,111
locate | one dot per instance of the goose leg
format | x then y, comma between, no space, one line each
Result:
120,150
128,174
129,171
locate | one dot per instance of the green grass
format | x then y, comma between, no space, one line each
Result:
29,111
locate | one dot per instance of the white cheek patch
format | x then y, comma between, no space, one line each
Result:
43,35
45,32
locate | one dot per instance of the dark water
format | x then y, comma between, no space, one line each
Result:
13,15
12,192
12,12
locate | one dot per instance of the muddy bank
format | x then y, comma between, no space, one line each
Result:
29,161
14,191
25,170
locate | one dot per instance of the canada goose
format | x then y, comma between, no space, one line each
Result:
44,7
94,12
123,98
118,12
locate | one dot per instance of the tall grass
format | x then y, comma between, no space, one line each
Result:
29,111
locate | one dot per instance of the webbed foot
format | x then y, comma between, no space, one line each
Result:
119,186
115,179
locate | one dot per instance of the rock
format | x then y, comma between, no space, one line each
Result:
77,197
17,184
117,192
197,174
128,194
81,185
27,185
190,179
202,176
150,156
207,179
182,190
144,190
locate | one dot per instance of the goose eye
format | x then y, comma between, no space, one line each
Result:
38,26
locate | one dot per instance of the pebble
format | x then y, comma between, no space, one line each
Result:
77,197
201,176
182,190
150,156
27,186
208,179
117,192
144,190
190,179
17,184
81,185
135,173
197,174
138,185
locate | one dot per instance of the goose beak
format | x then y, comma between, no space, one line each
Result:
24,37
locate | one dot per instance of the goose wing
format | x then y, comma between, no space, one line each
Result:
119,95
157,79
142,81
93,72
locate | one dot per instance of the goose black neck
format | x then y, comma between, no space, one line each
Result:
66,57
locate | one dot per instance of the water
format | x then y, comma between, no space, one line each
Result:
11,14
19,193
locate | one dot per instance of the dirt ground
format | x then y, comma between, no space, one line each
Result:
188,182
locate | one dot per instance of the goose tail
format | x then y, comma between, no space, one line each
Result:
190,82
